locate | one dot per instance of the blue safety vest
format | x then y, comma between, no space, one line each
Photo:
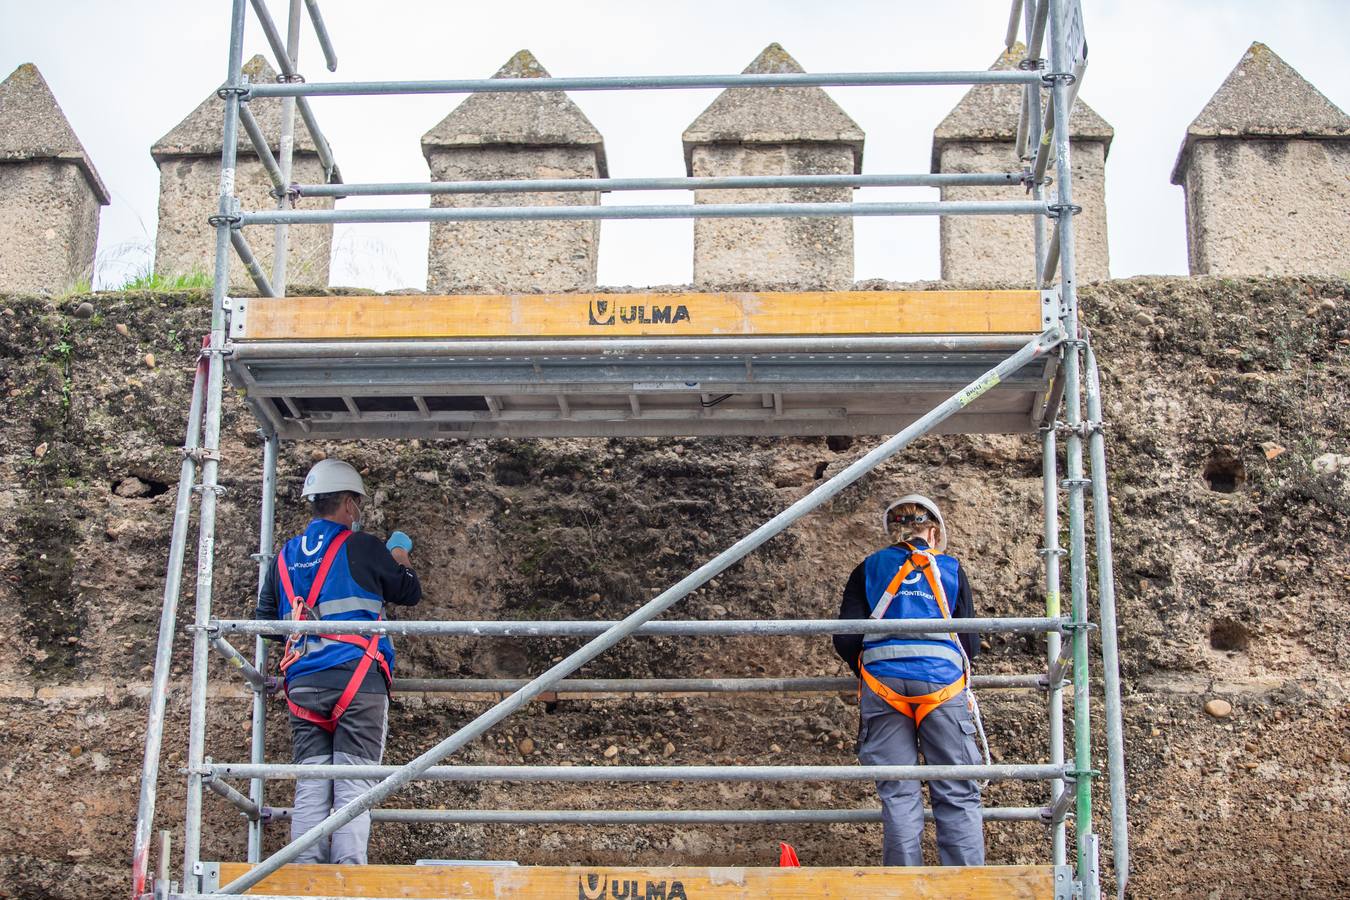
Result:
341,599
932,656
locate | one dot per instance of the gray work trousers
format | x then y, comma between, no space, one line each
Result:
357,740
887,737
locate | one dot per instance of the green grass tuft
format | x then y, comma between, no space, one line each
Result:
154,281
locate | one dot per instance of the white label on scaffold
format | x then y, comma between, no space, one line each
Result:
665,386
227,182
973,393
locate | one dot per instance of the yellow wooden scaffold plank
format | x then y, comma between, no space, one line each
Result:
639,315
676,883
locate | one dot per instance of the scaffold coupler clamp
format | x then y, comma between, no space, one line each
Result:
1070,625
1050,78
290,193
1050,551
199,455
1084,429
234,220
243,90
1030,64
1055,210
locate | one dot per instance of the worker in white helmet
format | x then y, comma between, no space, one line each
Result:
913,689
337,685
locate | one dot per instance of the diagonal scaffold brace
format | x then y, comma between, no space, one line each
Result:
1038,347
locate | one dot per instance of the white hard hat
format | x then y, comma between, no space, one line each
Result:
918,500
328,476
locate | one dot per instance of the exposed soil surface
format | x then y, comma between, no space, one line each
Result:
1224,398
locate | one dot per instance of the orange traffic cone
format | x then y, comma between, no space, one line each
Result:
787,857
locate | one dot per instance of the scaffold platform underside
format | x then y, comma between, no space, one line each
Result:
624,365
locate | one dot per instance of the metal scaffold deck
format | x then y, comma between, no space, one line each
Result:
903,363
611,365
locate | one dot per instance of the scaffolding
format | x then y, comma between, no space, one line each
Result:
1033,374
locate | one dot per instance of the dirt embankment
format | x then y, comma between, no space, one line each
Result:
1231,521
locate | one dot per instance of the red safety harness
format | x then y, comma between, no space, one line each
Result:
302,609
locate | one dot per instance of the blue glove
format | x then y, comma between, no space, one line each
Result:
399,541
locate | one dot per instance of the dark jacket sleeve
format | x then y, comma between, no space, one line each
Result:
965,609
854,606
268,606
374,569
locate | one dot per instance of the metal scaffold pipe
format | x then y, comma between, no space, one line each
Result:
663,816
639,83
1075,483
321,32
287,149
628,774
677,685
258,735
686,628
159,685
260,147
1054,676
1106,605
211,422
255,679
251,264
731,182
822,494
683,211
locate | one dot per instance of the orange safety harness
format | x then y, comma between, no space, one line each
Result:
918,707
300,609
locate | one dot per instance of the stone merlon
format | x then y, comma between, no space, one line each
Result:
779,115
990,112
32,127
201,133
526,119
505,136
1263,97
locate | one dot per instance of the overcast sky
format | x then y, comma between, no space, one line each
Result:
127,72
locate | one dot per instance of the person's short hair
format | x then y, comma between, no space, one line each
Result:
326,504
908,519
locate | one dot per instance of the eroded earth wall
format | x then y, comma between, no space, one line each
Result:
1227,403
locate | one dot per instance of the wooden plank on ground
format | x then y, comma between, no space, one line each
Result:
639,315
681,883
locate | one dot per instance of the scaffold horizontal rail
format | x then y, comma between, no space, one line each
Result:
692,627
724,183
638,83
655,211
551,774
680,685
661,816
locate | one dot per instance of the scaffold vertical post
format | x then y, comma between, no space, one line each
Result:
258,734
287,149
1106,605
206,537
1059,77
168,620
1053,643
